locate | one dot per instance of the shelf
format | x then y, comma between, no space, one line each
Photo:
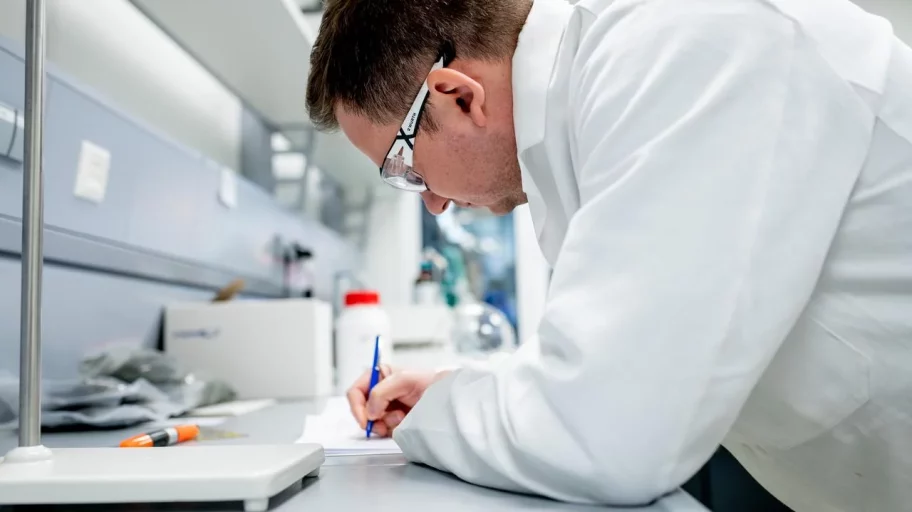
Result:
259,49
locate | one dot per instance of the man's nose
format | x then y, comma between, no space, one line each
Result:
434,203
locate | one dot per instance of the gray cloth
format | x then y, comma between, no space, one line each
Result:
118,388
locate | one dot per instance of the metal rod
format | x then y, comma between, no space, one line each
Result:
32,229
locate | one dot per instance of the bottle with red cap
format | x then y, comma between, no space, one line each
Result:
360,322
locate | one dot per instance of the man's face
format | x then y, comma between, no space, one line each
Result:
471,158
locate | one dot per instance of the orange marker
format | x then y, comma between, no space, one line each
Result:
164,437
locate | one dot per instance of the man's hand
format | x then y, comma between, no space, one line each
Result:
391,399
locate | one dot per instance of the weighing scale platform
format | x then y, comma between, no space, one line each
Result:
248,473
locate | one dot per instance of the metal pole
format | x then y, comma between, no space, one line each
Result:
32,229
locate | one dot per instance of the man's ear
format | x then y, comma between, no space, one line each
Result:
455,92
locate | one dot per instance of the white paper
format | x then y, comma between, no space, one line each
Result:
337,431
201,421
235,408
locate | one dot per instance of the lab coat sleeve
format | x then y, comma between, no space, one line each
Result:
699,238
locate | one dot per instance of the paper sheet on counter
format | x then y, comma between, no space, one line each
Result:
336,430
235,408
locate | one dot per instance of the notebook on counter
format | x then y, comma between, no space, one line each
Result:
337,431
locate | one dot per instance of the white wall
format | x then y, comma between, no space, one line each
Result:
116,52
392,252
899,12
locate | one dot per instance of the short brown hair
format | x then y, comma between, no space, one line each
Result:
371,55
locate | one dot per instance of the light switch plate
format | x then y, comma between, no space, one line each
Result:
7,114
19,140
228,188
7,131
92,172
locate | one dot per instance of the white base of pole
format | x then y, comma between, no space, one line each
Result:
247,473
28,454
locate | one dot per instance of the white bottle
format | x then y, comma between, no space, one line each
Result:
357,327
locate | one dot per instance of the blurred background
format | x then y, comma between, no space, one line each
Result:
179,159
211,171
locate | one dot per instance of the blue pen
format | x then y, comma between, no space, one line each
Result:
375,377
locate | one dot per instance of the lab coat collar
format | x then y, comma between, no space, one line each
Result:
533,65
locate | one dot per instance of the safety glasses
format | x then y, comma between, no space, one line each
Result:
398,169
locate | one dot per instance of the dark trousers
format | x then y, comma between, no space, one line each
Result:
724,486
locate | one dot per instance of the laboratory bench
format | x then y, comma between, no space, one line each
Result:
345,483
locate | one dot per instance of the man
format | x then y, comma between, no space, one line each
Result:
724,191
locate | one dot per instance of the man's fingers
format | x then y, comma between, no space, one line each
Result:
393,419
380,430
395,386
357,394
358,404
384,427
357,398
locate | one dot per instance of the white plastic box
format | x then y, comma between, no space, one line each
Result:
263,348
420,324
422,336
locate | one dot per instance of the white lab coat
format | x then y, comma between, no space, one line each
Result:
724,190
